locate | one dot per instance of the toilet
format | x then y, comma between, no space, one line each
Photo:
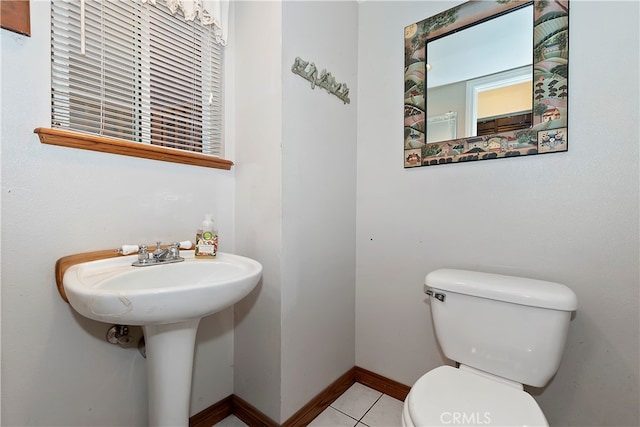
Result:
502,332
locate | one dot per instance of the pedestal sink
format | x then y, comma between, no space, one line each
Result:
168,301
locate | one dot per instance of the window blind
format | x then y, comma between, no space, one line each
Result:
132,71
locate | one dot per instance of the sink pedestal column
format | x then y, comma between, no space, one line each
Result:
170,349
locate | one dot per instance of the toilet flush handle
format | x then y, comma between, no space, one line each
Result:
437,295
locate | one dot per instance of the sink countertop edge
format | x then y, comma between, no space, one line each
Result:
64,263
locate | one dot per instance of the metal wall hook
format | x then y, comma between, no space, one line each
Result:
325,81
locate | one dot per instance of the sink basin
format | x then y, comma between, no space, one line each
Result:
112,291
168,301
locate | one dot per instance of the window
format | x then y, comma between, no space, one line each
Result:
133,71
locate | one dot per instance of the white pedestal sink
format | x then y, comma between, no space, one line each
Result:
168,301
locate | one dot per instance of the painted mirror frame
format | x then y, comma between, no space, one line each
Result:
548,133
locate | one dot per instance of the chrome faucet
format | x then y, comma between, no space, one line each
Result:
159,253
168,255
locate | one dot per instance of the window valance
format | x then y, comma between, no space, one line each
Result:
209,12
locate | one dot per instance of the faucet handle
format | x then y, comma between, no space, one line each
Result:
143,254
174,250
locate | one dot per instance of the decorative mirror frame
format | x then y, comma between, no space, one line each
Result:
548,133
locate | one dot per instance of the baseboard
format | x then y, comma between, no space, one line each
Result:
250,415
381,384
322,401
213,414
254,418
231,405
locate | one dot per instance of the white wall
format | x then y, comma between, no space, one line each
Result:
296,201
570,217
57,368
319,201
258,130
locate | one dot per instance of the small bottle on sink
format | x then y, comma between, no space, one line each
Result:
207,239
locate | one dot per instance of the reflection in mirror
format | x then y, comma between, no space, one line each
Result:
482,51
537,67
499,98
442,127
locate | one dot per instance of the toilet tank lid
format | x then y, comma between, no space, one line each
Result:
517,290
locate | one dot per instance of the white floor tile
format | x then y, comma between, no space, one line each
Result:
357,400
331,417
231,421
359,406
387,412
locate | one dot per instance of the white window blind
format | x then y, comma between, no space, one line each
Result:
133,71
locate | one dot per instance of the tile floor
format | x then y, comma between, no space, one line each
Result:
359,406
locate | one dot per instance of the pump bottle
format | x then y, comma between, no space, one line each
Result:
206,239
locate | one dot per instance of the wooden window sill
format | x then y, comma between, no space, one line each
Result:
66,138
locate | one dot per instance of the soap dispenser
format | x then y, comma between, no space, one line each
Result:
206,239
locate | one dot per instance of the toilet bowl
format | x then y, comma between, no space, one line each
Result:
504,332
458,397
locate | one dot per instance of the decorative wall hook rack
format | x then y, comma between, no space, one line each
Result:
325,81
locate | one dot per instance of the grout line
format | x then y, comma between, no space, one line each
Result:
363,415
354,419
370,408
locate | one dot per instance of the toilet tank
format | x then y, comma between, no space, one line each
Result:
508,326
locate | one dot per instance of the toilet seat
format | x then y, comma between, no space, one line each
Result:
447,396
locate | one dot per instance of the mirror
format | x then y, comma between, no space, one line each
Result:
478,58
472,55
